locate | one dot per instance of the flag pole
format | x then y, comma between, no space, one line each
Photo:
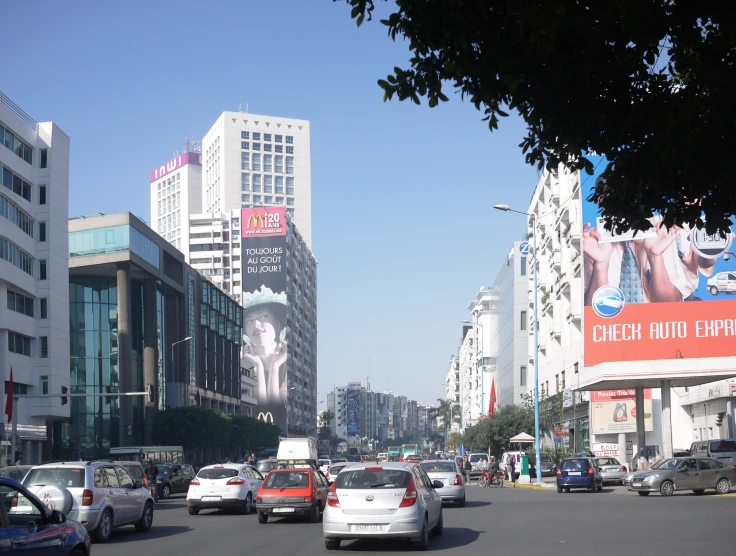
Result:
14,434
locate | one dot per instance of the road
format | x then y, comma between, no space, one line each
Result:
502,522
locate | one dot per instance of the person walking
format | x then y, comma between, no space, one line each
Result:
512,463
467,467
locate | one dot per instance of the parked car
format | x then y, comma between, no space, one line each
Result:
227,486
15,472
31,527
173,479
696,474
101,495
390,501
578,472
296,491
448,473
137,472
266,465
474,460
721,449
611,470
335,469
549,467
382,456
630,474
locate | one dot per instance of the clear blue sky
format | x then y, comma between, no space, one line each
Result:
403,227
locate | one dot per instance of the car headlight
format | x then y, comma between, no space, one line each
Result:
650,478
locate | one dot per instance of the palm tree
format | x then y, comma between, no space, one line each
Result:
449,412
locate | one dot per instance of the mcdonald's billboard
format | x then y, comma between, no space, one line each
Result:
265,334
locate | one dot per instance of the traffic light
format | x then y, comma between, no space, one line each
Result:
64,399
108,399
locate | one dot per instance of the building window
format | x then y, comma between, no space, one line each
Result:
44,158
17,216
256,162
267,163
42,270
268,200
279,200
522,323
290,212
245,134
20,148
42,231
289,202
256,136
256,146
268,184
563,380
289,164
44,308
15,255
289,150
280,184
257,183
245,161
522,376
18,343
557,383
245,182
278,138
257,199
44,385
266,136
15,183
44,340
245,198
279,164
289,138
20,303
245,145
289,186
41,194
278,148
522,263
267,147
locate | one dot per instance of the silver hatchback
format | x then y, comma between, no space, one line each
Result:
446,471
386,501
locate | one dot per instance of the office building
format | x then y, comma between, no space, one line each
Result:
34,312
484,318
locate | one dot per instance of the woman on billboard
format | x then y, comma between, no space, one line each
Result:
265,347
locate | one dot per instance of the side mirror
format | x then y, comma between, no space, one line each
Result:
437,484
330,483
138,484
57,517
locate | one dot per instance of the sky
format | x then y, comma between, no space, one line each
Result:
403,226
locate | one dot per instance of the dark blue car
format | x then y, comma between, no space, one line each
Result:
32,529
578,472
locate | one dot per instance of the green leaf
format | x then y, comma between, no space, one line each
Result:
384,84
359,22
433,102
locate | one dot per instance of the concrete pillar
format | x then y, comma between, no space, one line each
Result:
150,355
641,440
125,348
666,419
622,449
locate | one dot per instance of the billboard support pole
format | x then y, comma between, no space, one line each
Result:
641,440
666,419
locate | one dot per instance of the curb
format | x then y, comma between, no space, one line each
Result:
527,487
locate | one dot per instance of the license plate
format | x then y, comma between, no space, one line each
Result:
635,484
573,473
210,498
372,528
283,510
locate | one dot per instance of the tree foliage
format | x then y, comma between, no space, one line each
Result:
647,83
325,430
495,432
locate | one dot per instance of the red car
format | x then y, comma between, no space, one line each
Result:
287,492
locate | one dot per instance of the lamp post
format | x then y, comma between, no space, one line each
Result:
505,208
172,358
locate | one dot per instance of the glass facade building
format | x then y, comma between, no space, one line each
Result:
113,239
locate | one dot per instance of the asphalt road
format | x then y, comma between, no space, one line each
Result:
501,522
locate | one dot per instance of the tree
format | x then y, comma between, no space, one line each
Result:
455,439
648,84
494,433
325,430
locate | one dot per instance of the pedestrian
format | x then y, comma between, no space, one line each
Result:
466,469
512,463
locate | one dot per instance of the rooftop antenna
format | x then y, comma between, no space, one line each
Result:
246,107
186,145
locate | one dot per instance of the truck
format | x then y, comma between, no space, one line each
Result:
297,451
393,453
409,450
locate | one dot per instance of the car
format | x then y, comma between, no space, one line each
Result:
447,472
722,449
353,458
627,478
413,458
31,527
226,486
173,479
137,472
101,495
295,491
505,464
578,472
15,472
265,465
549,467
722,282
696,474
474,459
387,501
325,464
382,456
611,470
335,469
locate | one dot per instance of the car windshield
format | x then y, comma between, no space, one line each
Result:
476,457
214,473
721,446
438,466
287,479
164,469
13,474
668,464
335,469
266,466
62,476
575,464
546,458
373,478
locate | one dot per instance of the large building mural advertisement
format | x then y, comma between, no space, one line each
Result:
657,294
265,335
614,411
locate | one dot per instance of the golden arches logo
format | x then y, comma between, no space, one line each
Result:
265,417
257,220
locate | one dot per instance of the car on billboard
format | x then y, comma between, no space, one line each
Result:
723,282
608,301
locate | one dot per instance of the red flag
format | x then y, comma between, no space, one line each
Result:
9,400
197,398
492,402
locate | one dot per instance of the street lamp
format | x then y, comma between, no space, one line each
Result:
505,208
173,365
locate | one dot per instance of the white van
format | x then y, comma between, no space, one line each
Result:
722,449
506,464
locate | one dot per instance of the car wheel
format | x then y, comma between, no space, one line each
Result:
262,518
643,492
77,552
314,514
713,290
594,488
567,489
559,490
440,527
248,506
422,543
193,510
332,544
723,486
462,502
104,528
165,492
667,488
146,520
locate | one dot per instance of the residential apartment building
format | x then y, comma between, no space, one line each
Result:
252,160
452,392
468,379
484,318
34,287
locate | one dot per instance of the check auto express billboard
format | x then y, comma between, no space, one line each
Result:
263,261
658,294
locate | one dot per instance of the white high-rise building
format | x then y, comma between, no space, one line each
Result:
252,160
34,273
176,193
484,313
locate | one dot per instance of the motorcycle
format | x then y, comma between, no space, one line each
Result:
486,480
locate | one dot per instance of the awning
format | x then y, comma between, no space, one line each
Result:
522,438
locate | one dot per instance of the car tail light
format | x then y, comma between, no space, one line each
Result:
307,499
14,503
410,496
559,472
195,482
623,468
374,468
87,497
590,471
235,481
332,499
458,480
259,500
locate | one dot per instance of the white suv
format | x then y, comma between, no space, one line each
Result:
98,494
